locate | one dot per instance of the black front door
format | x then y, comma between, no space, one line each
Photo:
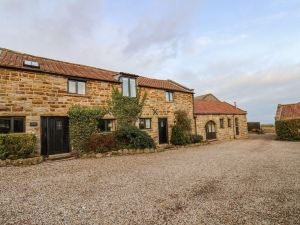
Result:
163,130
54,135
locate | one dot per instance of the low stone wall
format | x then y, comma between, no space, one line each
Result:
39,159
139,151
22,162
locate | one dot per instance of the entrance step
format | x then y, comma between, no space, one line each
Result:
60,156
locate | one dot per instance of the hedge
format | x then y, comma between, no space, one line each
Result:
17,145
288,129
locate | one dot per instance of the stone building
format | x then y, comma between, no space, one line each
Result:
288,111
36,93
217,120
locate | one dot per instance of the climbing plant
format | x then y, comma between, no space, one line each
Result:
126,110
82,124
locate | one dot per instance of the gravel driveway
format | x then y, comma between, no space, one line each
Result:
254,181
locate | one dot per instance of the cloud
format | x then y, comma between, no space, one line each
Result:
252,62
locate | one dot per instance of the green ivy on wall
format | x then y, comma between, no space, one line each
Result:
126,110
82,124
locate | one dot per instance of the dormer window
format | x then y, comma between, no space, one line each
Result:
128,86
30,63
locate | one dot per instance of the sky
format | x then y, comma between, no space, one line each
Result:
242,51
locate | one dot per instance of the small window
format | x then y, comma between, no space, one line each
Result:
12,124
145,123
169,96
222,123
128,86
105,125
31,63
76,87
229,122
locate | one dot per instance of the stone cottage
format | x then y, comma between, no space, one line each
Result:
36,93
217,120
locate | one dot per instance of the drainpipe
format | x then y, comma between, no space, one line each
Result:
194,115
233,126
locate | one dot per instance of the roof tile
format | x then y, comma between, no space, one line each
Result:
216,107
9,58
288,111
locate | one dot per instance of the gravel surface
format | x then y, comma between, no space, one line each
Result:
254,181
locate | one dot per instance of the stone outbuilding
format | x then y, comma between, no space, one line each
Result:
288,111
217,120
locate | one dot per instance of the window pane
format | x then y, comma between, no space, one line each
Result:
132,88
4,125
109,125
148,123
18,125
167,96
171,96
81,88
142,124
72,86
101,125
125,86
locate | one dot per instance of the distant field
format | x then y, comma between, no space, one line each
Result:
268,128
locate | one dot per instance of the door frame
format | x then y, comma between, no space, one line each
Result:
167,130
215,128
45,152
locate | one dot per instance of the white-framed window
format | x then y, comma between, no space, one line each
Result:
145,123
128,86
169,96
76,87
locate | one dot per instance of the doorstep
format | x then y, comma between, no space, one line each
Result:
60,156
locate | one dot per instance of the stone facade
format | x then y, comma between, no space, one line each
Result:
226,133
156,107
33,94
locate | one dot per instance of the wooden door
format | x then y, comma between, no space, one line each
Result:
163,130
54,135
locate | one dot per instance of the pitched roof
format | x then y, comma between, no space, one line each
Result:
162,84
207,97
12,59
288,111
216,107
15,60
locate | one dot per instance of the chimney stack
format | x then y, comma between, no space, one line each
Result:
235,104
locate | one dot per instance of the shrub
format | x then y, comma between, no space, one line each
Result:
288,129
101,142
181,131
132,137
17,145
196,138
179,136
82,124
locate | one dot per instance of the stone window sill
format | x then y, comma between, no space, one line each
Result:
77,95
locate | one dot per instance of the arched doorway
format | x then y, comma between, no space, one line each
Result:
210,129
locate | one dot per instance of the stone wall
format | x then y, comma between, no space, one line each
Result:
34,95
156,107
225,133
